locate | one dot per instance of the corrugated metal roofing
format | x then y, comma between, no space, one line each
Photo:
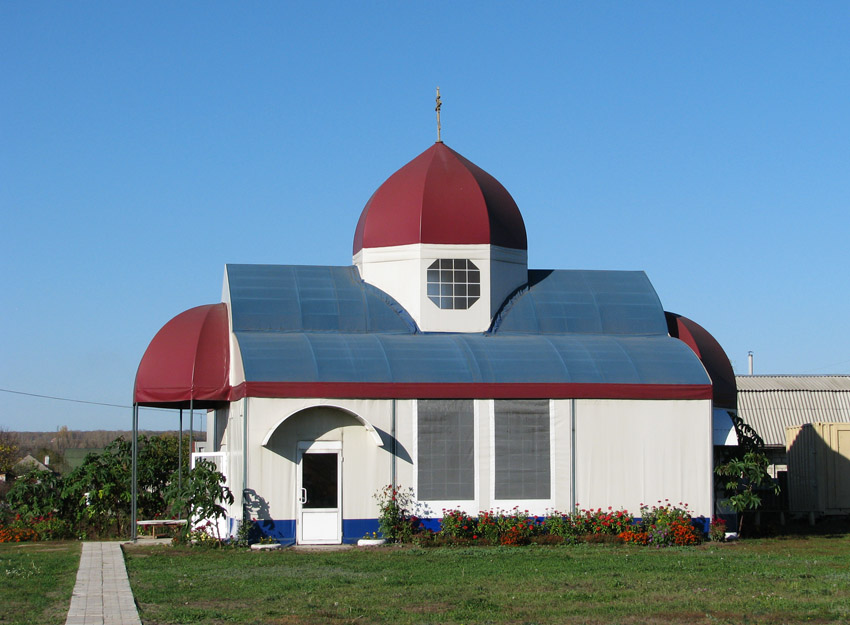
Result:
584,302
303,298
322,324
467,358
770,403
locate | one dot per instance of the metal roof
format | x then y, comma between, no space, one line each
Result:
770,403
324,325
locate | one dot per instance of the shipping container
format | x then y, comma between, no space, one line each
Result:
819,468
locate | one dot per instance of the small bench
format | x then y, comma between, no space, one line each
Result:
159,523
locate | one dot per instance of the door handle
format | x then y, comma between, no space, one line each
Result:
303,499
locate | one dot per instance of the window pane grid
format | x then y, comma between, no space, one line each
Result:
453,283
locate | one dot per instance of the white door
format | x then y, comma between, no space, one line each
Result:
319,493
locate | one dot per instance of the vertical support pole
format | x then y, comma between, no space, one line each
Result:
134,488
245,451
180,453
393,450
191,425
573,455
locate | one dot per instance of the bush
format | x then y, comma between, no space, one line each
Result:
16,534
395,521
458,524
717,530
52,528
573,527
668,525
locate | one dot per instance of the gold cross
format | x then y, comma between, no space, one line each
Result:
439,104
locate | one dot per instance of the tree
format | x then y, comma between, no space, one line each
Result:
8,449
743,476
200,496
37,493
100,487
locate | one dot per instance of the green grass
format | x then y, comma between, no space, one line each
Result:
759,581
36,581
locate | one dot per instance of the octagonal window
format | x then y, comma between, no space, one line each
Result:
453,283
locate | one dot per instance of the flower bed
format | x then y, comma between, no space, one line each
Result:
660,525
22,529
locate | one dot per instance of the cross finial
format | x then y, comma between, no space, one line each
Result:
439,104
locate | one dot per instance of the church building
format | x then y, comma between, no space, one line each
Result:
439,362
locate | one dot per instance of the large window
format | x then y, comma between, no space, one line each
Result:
522,450
453,283
446,451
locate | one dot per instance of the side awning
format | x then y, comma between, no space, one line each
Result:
187,362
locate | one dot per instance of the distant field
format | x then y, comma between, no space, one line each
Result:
795,580
36,581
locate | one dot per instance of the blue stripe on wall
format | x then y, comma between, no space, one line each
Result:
354,529
283,530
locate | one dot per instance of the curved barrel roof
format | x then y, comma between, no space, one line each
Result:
302,326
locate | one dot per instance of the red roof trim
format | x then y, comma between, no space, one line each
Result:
388,390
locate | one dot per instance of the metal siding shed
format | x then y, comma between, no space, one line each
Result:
770,403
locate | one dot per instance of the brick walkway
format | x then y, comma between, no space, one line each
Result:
102,594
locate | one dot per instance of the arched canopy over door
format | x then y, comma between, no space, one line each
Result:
188,361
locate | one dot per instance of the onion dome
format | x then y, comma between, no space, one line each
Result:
440,198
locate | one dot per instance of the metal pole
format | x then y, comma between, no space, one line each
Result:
191,425
573,455
244,457
180,453
134,487
393,451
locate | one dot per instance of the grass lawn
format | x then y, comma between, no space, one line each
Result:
36,581
793,580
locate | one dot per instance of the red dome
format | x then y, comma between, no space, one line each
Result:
440,197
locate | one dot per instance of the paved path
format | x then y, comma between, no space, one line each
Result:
102,594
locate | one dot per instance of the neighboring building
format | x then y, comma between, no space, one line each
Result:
771,403
439,362
29,463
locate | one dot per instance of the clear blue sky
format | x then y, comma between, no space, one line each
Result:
145,145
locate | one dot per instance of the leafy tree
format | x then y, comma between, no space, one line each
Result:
100,487
37,493
96,496
157,469
201,495
743,476
8,449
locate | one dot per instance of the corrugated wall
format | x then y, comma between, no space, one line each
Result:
770,403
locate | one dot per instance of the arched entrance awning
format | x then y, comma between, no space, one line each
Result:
187,362
364,422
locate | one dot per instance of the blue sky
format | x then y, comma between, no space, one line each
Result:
145,145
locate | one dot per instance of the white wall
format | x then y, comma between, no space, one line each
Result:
400,271
630,452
